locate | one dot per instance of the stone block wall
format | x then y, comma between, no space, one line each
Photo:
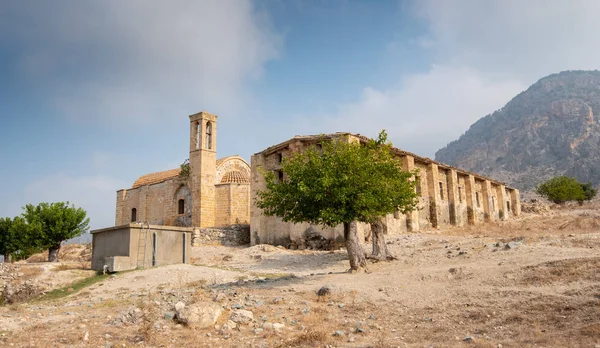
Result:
238,234
447,196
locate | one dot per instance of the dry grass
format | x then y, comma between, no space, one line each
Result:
565,271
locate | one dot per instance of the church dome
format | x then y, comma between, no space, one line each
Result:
235,177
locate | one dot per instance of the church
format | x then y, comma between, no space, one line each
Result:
208,192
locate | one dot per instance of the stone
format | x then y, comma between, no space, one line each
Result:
242,316
199,315
278,326
220,297
324,291
237,306
468,339
339,333
179,306
169,315
229,325
86,336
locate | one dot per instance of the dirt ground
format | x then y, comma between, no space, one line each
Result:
531,282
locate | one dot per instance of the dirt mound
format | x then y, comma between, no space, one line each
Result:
69,252
583,222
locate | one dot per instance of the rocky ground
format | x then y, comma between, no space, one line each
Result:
523,283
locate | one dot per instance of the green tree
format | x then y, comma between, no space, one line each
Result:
16,239
7,239
588,191
561,189
340,183
52,223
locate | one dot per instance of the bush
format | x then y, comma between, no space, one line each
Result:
588,191
562,189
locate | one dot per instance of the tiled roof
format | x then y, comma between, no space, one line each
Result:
155,178
235,177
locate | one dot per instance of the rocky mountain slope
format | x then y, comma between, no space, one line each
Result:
552,128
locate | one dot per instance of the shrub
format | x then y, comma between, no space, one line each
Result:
561,189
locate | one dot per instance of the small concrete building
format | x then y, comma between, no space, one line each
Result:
138,245
447,196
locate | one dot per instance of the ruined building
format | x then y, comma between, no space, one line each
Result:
215,193
447,196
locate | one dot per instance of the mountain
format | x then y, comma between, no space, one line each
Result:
550,129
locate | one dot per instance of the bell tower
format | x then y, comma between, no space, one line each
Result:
203,167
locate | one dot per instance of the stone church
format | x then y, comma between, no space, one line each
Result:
216,192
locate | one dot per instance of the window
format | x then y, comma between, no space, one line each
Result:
198,128
460,194
209,135
477,198
493,204
133,215
508,206
320,148
441,190
418,185
181,207
280,175
280,158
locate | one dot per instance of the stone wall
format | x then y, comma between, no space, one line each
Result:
447,196
238,234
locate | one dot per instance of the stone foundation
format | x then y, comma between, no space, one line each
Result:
238,234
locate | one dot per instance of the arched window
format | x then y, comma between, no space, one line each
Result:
133,215
198,132
208,135
181,208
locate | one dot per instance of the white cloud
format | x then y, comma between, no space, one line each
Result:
523,39
425,113
484,53
96,194
142,60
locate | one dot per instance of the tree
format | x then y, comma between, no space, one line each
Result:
340,183
588,191
7,242
16,239
561,189
52,223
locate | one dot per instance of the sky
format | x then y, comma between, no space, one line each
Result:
94,94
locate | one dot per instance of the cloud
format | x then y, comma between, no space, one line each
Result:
96,194
484,53
425,113
522,39
136,60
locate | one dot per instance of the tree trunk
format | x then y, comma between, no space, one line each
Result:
6,258
53,253
356,253
380,250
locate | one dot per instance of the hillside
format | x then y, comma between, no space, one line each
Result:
552,128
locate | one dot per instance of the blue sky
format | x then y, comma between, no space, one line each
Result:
94,94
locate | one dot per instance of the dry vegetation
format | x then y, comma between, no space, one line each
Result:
532,282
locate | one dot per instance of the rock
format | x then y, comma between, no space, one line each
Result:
512,245
237,306
278,326
339,333
242,316
229,325
220,297
351,339
268,326
258,330
199,315
86,336
179,306
324,291
341,305
169,315
468,339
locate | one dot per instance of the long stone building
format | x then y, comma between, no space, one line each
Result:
215,193
447,196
